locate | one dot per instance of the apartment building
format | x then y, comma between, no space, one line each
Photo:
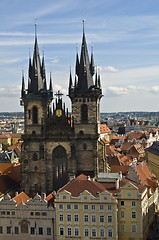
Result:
26,218
85,210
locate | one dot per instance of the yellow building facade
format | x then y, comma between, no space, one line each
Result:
153,158
86,216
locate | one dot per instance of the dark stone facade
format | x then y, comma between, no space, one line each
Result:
58,146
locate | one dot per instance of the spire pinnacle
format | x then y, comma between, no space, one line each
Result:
83,20
50,87
70,82
23,85
35,28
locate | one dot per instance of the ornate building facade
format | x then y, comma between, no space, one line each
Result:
59,146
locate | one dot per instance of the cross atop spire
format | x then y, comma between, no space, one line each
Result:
58,95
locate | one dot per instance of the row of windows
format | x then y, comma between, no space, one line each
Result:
133,203
12,213
133,214
85,206
133,228
87,232
33,230
86,218
84,100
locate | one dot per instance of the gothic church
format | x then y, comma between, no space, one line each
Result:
58,146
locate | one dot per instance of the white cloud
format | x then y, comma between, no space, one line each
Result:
110,69
55,61
154,89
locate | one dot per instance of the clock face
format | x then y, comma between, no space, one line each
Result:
58,112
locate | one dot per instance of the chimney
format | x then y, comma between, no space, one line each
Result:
16,194
117,183
89,178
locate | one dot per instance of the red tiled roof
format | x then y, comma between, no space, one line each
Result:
126,146
21,197
119,168
145,176
112,188
136,135
80,184
15,172
15,135
12,170
5,168
118,137
104,129
50,198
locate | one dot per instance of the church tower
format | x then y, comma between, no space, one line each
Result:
58,145
85,95
36,100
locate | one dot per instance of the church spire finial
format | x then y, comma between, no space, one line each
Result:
35,28
83,20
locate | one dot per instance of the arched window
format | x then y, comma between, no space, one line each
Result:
59,157
35,114
84,113
35,157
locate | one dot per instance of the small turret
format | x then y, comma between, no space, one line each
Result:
23,86
77,62
70,81
50,87
92,63
99,82
43,68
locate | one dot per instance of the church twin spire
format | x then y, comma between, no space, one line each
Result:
36,72
84,70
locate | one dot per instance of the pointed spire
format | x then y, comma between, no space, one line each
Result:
96,79
23,85
36,80
99,83
75,81
77,61
30,66
43,68
92,62
50,87
85,80
70,81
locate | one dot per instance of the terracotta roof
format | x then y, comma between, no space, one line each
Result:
50,198
126,146
21,197
15,135
15,172
125,160
80,184
136,135
111,187
104,129
119,168
145,176
118,137
5,168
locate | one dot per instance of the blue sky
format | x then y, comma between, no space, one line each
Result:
125,36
